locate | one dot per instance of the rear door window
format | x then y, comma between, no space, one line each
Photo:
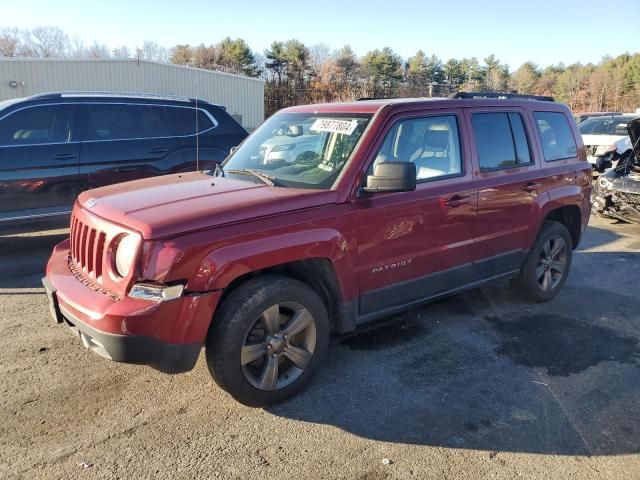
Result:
37,125
555,135
125,122
501,140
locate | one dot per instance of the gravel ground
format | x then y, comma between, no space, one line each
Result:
480,385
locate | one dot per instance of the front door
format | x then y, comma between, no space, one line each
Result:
39,154
416,245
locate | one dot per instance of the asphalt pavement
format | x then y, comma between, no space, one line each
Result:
480,385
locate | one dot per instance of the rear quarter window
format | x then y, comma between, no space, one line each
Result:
187,121
555,135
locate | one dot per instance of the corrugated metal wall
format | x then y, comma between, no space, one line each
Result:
241,95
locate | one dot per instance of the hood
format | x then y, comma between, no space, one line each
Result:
589,139
173,204
634,135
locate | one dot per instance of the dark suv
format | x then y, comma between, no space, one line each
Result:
383,205
53,146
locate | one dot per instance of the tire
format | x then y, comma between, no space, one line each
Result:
545,271
253,340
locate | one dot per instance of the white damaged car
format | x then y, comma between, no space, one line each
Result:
606,140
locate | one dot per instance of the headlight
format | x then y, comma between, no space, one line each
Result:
156,292
604,183
604,149
125,254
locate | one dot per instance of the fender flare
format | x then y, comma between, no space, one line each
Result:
224,265
564,196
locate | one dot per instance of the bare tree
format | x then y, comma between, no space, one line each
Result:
47,42
77,48
154,52
121,52
98,50
9,42
318,56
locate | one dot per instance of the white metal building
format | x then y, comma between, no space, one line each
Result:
243,96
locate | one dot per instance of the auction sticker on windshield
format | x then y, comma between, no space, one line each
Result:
346,127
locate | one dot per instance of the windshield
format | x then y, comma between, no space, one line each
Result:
604,126
301,150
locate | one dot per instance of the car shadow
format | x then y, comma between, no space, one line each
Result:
486,370
23,258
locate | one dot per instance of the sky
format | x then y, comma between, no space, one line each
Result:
545,32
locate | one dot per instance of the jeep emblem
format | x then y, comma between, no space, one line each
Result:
91,203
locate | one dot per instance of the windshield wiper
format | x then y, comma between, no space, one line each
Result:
266,179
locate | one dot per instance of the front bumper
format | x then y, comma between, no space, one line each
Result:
167,336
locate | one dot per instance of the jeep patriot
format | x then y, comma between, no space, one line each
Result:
326,217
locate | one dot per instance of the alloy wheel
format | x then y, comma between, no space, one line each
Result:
552,263
278,346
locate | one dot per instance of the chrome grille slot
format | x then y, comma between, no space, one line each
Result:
87,248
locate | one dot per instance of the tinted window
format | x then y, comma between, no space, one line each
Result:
519,138
555,136
183,120
37,125
432,143
501,140
124,121
605,125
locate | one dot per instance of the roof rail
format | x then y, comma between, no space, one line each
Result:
150,96
364,99
501,96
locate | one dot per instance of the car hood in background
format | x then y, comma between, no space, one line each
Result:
590,139
173,204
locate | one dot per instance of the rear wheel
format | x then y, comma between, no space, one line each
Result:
546,268
267,340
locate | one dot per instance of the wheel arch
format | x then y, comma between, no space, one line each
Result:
319,258
317,273
571,217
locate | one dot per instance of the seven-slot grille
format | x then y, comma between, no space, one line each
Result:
87,248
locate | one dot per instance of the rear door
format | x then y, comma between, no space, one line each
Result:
509,182
415,245
127,141
39,153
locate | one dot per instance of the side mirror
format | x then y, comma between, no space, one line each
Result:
392,177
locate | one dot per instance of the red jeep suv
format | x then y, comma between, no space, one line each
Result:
326,217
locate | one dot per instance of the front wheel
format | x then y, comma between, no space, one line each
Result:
267,340
546,268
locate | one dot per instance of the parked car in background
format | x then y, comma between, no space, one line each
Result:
582,116
392,203
617,192
606,140
54,146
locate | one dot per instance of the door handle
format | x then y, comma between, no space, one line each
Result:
64,156
532,187
159,150
457,200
